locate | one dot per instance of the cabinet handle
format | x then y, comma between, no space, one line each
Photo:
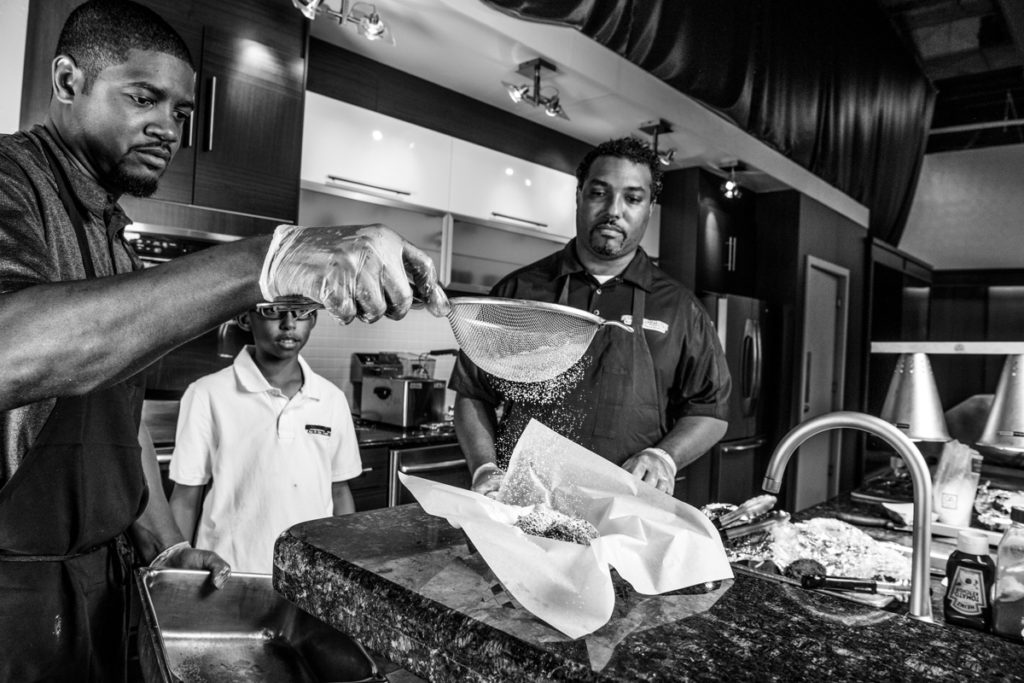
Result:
520,220
210,113
446,465
189,128
339,179
744,447
730,259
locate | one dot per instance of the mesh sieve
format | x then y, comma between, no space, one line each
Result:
523,341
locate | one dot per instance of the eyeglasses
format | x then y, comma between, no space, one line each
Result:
276,312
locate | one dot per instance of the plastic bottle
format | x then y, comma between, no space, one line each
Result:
1008,592
969,575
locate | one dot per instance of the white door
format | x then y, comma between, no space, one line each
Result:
823,357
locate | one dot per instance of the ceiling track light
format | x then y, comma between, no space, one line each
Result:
654,129
534,96
731,188
364,15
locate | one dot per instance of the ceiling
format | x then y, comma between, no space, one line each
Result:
466,46
970,195
971,50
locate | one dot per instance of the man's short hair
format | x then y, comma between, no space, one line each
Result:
100,33
629,148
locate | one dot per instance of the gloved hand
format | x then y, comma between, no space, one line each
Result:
487,479
353,270
654,466
184,556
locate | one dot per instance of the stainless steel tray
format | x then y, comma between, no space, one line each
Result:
191,632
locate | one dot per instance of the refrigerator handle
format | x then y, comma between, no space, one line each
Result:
751,362
807,384
758,365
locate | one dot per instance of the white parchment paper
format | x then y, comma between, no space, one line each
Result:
655,542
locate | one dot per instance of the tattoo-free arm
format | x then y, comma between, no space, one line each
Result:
186,502
68,338
341,494
155,529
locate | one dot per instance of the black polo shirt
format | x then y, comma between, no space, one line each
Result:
38,245
689,363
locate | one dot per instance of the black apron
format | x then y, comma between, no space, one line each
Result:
64,559
609,402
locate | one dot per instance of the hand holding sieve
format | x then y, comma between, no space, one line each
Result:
523,341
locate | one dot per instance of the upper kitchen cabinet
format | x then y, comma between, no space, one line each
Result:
241,151
500,189
250,129
726,241
355,152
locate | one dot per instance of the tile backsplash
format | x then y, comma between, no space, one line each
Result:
331,345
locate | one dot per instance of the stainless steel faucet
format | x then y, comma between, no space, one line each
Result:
920,601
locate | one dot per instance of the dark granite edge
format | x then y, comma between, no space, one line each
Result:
399,625
755,631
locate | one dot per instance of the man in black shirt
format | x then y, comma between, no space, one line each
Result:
651,401
79,318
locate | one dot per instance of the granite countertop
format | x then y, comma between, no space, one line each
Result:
406,585
372,434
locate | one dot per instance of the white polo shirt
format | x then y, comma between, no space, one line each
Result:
271,460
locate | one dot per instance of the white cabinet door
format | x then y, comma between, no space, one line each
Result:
502,189
362,154
481,254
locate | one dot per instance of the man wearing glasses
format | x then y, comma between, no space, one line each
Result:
272,440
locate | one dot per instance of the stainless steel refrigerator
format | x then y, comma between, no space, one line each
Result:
734,468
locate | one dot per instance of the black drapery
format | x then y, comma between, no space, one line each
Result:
827,83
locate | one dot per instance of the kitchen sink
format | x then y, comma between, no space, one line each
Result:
245,631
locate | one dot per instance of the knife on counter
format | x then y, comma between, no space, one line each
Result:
843,583
872,521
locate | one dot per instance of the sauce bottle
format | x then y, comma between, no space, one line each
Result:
1008,593
969,575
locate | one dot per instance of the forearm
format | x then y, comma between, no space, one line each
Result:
475,426
341,494
185,504
68,338
155,529
691,437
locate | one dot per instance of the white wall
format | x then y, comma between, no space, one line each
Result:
966,212
331,345
13,25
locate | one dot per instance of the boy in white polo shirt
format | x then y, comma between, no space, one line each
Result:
273,440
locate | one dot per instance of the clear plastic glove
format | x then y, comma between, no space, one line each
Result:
654,466
184,556
487,480
353,270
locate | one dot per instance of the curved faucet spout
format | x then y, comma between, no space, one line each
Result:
920,601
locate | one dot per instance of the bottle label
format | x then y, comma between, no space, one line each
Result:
967,592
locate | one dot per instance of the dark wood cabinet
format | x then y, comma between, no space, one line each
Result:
693,482
729,473
370,489
726,240
241,152
737,468
708,242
